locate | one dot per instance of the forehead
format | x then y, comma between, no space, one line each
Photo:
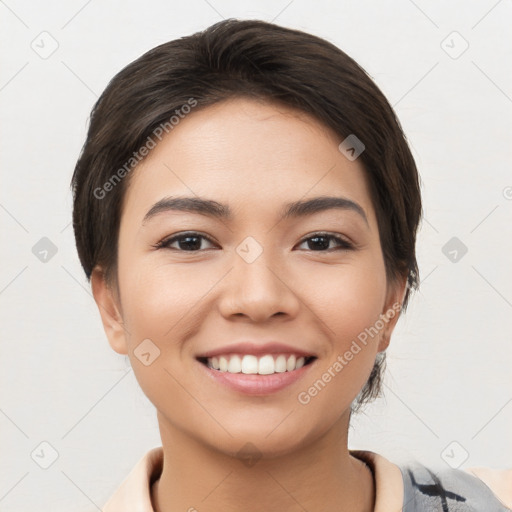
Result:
246,152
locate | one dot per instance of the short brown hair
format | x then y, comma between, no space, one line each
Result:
256,59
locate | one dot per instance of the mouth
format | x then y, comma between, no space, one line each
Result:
258,368
251,364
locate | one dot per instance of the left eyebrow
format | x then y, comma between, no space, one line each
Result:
210,208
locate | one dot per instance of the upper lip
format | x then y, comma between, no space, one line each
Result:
255,348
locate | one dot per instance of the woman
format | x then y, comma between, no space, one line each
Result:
246,208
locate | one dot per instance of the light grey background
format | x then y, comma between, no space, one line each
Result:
448,393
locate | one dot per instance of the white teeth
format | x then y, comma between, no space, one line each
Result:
280,364
250,364
235,365
223,364
266,365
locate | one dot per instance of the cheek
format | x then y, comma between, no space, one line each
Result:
349,309
158,297
159,305
349,303
348,299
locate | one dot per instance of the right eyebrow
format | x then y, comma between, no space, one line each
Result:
206,207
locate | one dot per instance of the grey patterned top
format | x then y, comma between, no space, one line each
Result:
446,490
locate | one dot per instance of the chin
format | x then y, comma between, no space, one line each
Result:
249,448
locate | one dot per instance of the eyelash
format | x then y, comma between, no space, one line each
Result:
343,244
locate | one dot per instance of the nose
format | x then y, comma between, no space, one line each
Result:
259,289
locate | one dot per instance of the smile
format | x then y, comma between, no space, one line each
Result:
267,364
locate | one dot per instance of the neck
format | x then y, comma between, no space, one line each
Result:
319,476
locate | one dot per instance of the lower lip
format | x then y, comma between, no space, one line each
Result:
255,384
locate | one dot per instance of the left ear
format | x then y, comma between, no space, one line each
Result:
391,312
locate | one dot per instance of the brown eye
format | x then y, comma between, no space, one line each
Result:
186,242
320,242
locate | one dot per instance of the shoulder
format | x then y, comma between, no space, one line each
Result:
498,480
134,493
447,489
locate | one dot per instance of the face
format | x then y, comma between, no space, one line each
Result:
244,283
